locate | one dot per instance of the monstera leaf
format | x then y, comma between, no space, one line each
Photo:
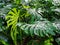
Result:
38,26
13,15
13,19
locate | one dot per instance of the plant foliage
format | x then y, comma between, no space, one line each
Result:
29,22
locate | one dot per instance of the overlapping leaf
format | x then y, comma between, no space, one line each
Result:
38,27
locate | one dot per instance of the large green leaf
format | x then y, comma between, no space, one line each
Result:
39,28
12,18
37,25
